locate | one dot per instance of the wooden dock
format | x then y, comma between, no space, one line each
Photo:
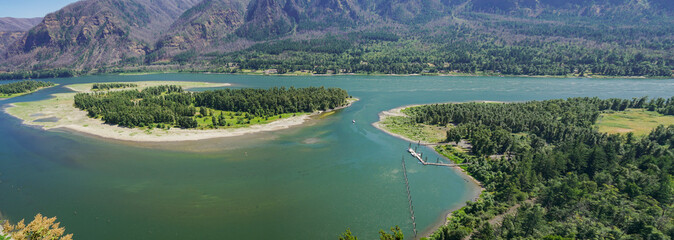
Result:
418,156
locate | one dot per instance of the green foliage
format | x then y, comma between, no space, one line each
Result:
586,184
451,153
22,87
345,236
108,86
37,74
185,57
325,45
376,36
406,127
462,56
396,234
154,56
482,44
172,106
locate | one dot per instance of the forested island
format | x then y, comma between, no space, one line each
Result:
158,111
549,173
21,88
166,106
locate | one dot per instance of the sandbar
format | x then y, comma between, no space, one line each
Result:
62,113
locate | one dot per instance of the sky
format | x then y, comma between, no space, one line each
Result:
30,8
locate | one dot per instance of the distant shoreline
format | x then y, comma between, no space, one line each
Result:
25,93
262,73
59,113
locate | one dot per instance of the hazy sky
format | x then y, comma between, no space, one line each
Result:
30,8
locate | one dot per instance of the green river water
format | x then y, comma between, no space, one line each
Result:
308,182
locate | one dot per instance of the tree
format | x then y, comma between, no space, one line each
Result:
396,234
41,228
486,232
454,135
348,235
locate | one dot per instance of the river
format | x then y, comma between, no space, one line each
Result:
308,182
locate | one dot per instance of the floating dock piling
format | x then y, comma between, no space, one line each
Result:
409,199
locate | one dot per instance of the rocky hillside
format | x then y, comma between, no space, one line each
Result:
575,7
94,33
208,25
13,29
273,18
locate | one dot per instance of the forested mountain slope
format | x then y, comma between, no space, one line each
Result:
514,37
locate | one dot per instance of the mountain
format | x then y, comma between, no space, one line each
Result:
575,7
614,37
93,33
8,24
205,26
273,18
413,10
268,18
13,29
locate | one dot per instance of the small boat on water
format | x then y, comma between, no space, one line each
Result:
353,121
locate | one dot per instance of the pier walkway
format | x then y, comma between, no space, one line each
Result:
418,156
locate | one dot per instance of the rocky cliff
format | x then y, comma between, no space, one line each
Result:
93,33
204,27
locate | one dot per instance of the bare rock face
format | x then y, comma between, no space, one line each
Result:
93,33
205,26
272,18
334,12
266,18
7,38
99,33
13,29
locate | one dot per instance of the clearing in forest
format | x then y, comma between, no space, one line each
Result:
637,121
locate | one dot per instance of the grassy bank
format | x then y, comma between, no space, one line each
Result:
526,166
6,96
237,119
637,121
406,127
60,112
21,88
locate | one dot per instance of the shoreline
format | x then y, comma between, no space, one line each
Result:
26,93
58,113
206,134
262,73
443,219
398,112
475,193
396,75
